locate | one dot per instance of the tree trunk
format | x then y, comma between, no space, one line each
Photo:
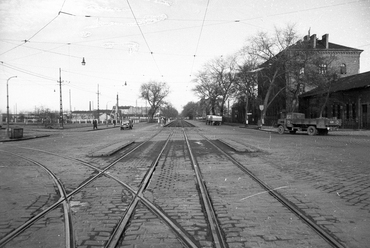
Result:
324,105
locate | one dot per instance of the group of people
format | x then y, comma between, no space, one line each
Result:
95,124
162,120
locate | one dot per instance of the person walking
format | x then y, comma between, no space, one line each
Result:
95,124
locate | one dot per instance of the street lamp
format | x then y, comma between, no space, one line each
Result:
7,105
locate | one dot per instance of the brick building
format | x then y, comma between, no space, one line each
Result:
344,61
349,100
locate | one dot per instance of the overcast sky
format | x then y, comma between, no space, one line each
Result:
59,33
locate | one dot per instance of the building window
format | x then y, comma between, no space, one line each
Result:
343,69
353,111
347,111
323,68
339,113
333,113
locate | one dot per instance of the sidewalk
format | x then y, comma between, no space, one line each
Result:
337,132
34,132
355,132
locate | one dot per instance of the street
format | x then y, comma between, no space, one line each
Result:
326,177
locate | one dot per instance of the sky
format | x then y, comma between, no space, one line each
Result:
138,41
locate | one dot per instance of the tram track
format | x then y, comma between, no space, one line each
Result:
62,200
184,234
329,238
118,231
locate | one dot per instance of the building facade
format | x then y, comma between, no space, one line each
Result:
348,100
336,59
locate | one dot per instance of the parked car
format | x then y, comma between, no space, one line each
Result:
127,123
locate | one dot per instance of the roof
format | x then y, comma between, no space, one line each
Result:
361,80
333,46
320,45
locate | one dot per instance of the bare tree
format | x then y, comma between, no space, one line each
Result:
207,91
272,54
216,82
154,93
246,83
323,76
169,111
191,110
224,74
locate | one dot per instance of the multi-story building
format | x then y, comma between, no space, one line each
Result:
335,59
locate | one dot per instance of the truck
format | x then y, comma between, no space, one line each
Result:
294,122
213,120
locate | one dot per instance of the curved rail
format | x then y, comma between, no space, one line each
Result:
117,233
70,240
63,200
113,241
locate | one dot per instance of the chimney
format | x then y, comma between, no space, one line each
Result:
313,38
325,40
89,105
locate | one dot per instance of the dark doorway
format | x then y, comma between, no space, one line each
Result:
365,123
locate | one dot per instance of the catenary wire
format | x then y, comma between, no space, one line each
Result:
142,34
200,35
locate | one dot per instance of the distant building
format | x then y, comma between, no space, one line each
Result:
87,116
130,111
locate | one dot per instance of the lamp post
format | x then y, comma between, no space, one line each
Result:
60,100
7,105
116,117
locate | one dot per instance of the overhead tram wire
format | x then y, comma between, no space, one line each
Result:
200,35
63,5
28,40
142,34
26,72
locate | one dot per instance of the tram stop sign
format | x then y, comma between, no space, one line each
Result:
261,107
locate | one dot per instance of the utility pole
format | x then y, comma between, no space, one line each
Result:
70,104
7,105
98,102
117,109
61,102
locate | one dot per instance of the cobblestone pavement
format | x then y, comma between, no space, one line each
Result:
326,176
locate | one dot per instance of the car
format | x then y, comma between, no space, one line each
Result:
126,123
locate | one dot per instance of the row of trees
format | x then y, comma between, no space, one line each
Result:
267,68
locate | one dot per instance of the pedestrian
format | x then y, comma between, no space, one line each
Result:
95,124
